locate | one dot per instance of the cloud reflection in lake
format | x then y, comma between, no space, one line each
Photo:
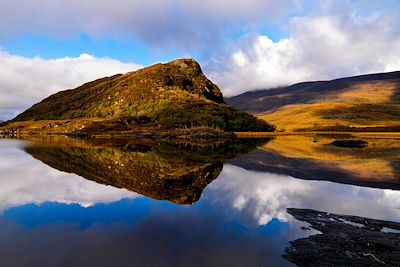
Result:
260,196
24,180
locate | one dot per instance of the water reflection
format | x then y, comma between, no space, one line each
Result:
260,197
160,235
238,216
177,172
312,158
27,181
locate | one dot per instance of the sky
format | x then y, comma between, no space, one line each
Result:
51,45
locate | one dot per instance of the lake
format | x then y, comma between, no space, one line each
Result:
69,202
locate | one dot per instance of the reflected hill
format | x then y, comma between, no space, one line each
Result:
177,172
314,158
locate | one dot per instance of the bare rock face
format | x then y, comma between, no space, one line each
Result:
194,80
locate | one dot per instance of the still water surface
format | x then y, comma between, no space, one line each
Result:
233,215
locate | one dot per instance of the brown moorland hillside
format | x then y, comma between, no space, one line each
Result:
360,103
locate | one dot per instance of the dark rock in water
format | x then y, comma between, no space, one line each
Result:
349,143
345,241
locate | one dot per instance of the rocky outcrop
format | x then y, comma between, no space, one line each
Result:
349,143
345,241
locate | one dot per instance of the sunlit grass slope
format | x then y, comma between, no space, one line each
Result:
361,103
361,106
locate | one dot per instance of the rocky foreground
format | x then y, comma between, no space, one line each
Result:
345,241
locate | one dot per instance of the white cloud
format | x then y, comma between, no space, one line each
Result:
24,180
25,81
260,197
325,41
159,23
318,47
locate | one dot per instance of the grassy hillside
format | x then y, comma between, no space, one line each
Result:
333,116
136,93
162,96
362,103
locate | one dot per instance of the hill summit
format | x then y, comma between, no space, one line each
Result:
160,97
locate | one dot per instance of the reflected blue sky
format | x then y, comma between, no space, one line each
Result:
51,218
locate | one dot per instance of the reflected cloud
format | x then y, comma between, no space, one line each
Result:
259,196
252,197
166,235
27,181
240,219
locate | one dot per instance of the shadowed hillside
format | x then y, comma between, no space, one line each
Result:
361,103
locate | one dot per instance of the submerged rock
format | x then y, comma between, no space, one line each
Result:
349,143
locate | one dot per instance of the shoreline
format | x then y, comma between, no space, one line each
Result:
255,135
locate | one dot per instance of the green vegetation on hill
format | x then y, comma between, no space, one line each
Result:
171,95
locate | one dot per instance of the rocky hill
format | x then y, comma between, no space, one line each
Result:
175,95
135,93
360,103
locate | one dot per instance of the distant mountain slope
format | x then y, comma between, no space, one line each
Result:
163,96
367,102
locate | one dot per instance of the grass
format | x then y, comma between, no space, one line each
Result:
364,103
136,93
368,92
335,117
